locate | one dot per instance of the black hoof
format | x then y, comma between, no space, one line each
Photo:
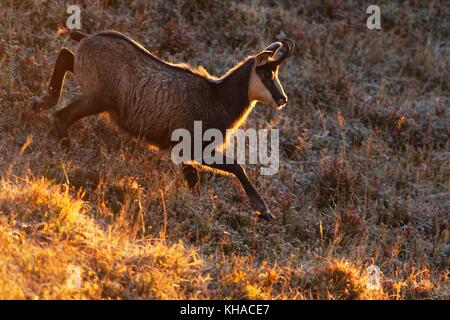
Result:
62,136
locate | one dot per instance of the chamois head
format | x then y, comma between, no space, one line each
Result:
265,87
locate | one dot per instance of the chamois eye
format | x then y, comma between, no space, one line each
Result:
268,74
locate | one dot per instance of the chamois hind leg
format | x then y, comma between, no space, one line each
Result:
190,173
255,198
64,63
81,107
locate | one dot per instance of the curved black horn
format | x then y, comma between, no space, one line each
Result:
273,47
288,46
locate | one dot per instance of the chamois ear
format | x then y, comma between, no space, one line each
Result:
262,58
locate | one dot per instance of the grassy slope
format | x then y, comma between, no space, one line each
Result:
364,172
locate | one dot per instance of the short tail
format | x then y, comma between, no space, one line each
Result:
74,34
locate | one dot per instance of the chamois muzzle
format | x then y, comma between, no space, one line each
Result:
282,102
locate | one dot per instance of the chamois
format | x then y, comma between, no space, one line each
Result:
150,98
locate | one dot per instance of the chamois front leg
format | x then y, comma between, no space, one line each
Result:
190,173
64,63
256,200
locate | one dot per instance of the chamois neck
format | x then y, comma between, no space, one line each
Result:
233,91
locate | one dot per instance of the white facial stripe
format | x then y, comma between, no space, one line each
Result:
258,91
278,85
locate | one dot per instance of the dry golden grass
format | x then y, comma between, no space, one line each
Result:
364,176
48,233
